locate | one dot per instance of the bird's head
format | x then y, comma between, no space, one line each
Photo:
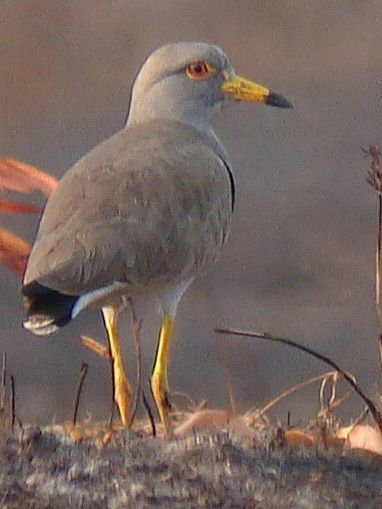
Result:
188,81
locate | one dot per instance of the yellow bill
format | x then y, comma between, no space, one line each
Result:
245,90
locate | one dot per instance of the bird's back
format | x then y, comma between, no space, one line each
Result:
150,205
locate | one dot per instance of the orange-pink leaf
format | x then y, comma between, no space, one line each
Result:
25,178
361,436
214,420
14,251
296,436
18,207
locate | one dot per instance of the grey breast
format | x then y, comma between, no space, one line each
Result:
149,206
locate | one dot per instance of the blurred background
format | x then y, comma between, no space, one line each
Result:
299,262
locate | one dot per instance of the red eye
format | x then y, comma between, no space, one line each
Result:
198,70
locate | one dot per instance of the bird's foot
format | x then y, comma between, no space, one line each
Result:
160,390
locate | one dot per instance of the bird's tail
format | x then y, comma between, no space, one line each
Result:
47,310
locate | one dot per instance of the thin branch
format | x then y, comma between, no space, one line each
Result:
150,414
288,392
349,378
360,418
378,262
378,289
95,346
374,178
13,403
83,373
136,325
3,383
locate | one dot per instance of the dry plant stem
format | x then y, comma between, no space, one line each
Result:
95,346
136,325
378,263
378,309
13,403
325,405
3,383
227,381
150,414
324,412
360,418
374,178
83,373
264,335
290,391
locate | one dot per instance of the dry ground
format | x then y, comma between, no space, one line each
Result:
40,469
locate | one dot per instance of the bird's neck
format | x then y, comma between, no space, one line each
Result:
152,109
199,117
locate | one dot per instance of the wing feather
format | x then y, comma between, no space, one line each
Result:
145,207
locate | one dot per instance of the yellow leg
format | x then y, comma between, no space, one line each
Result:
159,381
122,389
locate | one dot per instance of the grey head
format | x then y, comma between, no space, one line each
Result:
188,82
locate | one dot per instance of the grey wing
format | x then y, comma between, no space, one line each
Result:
143,213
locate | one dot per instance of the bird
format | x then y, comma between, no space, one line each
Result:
144,212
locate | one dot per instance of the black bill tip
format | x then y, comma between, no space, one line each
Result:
278,101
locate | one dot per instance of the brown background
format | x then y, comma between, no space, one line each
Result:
300,258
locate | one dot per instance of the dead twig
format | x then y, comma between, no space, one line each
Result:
360,418
332,397
3,383
374,178
227,378
95,346
150,414
136,325
374,174
329,403
83,373
329,409
13,403
260,413
349,378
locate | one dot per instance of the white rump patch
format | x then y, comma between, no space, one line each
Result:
40,327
